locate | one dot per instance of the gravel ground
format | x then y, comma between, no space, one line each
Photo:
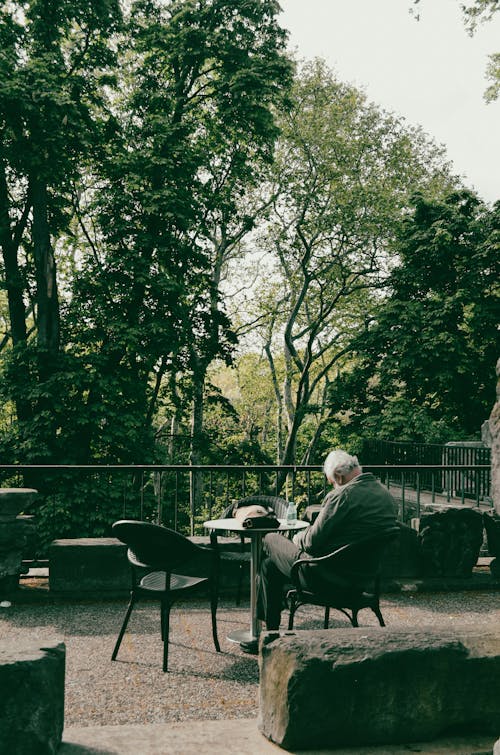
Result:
201,683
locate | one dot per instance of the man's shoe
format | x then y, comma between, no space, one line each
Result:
270,636
251,647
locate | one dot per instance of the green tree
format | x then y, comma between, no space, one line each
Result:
428,358
54,57
482,11
195,123
247,385
343,176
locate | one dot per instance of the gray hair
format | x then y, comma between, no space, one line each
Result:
339,462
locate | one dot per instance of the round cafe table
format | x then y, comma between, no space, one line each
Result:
255,535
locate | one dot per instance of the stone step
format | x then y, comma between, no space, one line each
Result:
232,737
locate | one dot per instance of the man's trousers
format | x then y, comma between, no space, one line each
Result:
279,553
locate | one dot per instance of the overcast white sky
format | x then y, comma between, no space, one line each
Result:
431,72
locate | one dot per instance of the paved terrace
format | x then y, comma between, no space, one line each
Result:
208,702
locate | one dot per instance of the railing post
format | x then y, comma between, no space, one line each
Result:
159,510
418,494
193,494
403,499
176,502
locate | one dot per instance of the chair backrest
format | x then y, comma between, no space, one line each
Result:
155,546
279,505
358,563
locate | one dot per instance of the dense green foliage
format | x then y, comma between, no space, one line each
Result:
55,60
427,360
171,180
122,167
127,142
341,183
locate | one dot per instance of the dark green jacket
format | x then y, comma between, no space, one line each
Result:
358,509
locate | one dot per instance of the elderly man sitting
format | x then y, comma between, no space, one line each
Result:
358,506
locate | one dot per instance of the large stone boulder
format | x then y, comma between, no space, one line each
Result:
369,686
492,528
98,566
450,542
402,556
31,698
88,566
15,500
13,535
494,429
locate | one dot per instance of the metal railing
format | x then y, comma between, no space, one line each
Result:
453,482
83,501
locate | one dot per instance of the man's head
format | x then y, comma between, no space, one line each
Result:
340,467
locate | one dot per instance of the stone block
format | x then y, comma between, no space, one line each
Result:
13,534
402,557
31,698
99,566
374,686
492,526
10,563
12,543
450,542
15,500
88,565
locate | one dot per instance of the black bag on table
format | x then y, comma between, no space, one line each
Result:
257,517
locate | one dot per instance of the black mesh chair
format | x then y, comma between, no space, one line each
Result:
241,556
156,554
346,580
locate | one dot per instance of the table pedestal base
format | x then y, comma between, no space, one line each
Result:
242,635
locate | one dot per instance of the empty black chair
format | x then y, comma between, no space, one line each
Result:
242,555
347,580
156,554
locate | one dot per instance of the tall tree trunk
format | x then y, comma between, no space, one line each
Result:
196,493
45,271
279,402
9,241
13,278
171,446
47,312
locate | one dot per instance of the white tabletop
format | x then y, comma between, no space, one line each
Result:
236,525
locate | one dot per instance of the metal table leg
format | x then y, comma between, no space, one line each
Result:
252,635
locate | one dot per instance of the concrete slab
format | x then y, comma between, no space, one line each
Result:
232,737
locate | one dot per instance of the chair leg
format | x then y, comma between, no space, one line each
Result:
165,629
241,573
162,622
378,613
124,626
291,616
214,599
327,617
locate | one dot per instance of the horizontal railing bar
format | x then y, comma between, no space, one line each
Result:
235,467
79,500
